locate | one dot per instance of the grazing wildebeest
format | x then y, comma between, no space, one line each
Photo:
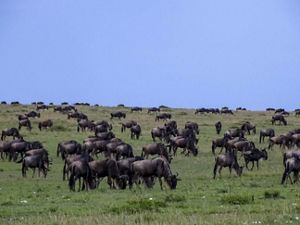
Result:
156,149
128,124
158,167
11,132
33,114
105,135
243,146
135,131
247,127
279,118
193,126
159,132
4,148
35,161
163,116
153,109
226,111
118,115
25,123
184,143
234,132
84,124
106,168
77,115
227,160
124,166
22,117
255,155
291,165
71,158
45,124
280,140
218,126
136,109
124,150
268,132
81,169
68,148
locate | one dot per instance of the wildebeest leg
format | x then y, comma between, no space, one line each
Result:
215,170
296,176
257,166
230,169
252,165
33,172
160,182
220,169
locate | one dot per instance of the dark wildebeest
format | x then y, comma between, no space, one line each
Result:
227,160
163,116
81,169
77,115
68,148
118,115
72,158
229,145
105,135
193,126
18,147
136,109
295,139
33,114
158,167
35,161
269,132
255,155
4,148
128,124
84,124
25,123
106,168
247,127
280,110
234,132
291,165
291,153
184,143
159,132
124,166
11,132
135,131
22,117
156,149
280,140
45,124
124,150
219,142
218,126
153,109
41,107
243,146
226,111
279,118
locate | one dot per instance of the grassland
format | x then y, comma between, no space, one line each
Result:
254,198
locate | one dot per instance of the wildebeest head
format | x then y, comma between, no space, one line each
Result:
172,181
265,154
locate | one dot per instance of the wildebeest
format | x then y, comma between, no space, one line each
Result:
295,139
11,132
45,124
33,114
25,123
35,161
155,167
18,147
268,132
156,149
247,127
163,116
124,150
184,143
81,169
118,115
226,111
22,117
193,126
41,107
72,158
280,119
153,109
106,168
127,124
77,115
84,124
255,155
270,109
243,146
68,147
136,109
291,165
159,132
218,126
135,131
219,142
4,148
105,135
234,132
280,140
227,160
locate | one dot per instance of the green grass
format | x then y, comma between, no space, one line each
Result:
255,197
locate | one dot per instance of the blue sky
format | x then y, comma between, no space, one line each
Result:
147,53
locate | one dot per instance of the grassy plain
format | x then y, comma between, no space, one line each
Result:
254,198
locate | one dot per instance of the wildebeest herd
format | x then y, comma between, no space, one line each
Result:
124,169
